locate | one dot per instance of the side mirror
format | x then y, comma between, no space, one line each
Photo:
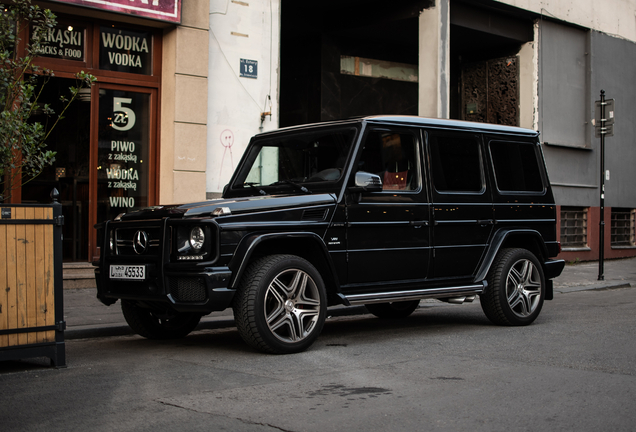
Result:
366,182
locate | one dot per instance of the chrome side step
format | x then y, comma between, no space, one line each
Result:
457,294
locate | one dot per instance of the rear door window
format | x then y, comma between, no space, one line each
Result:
516,166
456,163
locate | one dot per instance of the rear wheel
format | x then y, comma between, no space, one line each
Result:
281,304
155,324
516,288
394,310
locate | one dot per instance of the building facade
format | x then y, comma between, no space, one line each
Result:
532,63
137,138
183,85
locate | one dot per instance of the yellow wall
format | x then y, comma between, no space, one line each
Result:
184,98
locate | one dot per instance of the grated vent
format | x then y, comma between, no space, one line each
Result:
314,215
188,289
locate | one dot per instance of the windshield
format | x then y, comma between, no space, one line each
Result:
302,162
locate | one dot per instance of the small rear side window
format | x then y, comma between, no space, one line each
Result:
516,166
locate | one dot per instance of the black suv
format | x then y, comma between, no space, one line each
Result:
380,211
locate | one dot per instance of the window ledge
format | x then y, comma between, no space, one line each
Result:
623,247
569,146
575,249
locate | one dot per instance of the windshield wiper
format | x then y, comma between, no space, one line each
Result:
253,187
292,183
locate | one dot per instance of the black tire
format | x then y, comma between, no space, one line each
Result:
394,310
516,288
153,324
281,304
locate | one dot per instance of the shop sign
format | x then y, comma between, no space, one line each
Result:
123,50
64,42
123,151
162,10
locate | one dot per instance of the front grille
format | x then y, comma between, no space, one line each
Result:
137,241
188,289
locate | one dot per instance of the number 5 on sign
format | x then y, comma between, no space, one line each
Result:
123,115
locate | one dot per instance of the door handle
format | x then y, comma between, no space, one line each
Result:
486,222
418,224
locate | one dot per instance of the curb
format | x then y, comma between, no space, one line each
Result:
107,330
598,287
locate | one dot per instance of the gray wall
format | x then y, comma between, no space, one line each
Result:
575,64
614,70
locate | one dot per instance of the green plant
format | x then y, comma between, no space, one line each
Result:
23,152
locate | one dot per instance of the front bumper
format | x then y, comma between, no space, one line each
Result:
201,291
185,286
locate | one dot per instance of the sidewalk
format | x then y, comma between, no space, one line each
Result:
86,316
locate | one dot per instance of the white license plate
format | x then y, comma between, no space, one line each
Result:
128,272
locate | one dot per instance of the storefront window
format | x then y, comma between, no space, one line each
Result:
123,154
106,156
66,41
123,50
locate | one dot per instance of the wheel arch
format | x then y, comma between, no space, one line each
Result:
528,239
306,245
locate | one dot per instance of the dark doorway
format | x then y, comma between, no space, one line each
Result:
315,41
69,173
485,41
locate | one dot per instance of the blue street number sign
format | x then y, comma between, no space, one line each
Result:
249,68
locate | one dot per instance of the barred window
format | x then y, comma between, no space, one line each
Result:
623,227
573,227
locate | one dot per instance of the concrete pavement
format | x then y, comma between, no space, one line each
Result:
86,317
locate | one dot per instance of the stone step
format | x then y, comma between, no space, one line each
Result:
78,275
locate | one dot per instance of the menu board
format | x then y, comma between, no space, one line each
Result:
123,151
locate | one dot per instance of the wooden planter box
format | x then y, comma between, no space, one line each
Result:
31,297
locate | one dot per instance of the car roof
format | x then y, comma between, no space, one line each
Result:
407,120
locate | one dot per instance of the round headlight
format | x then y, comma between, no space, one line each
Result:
197,238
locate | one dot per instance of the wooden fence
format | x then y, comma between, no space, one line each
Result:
31,297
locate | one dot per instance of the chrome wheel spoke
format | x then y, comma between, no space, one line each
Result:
515,277
275,304
275,315
305,320
284,321
279,289
515,299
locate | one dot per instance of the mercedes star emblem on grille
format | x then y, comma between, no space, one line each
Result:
140,242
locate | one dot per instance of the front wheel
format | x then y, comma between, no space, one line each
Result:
281,305
394,310
155,324
516,288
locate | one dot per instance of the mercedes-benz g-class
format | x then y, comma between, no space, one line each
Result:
379,211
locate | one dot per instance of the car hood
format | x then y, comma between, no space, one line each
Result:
235,206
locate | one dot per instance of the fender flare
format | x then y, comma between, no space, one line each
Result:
498,240
248,244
